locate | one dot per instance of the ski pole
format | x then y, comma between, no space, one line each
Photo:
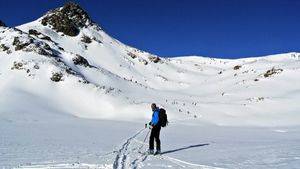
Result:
146,136
143,141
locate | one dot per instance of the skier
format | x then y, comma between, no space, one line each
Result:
155,130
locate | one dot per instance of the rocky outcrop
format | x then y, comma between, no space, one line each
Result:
17,66
31,45
237,67
21,45
33,32
79,60
154,59
86,39
39,35
272,72
56,77
67,19
3,47
132,55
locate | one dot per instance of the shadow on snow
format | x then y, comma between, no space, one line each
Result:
184,148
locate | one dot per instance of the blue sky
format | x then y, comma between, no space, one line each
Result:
214,28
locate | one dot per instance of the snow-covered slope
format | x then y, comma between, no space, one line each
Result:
64,63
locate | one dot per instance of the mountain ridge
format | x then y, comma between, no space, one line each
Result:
82,71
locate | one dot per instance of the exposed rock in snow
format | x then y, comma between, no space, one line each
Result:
67,19
86,39
237,67
33,32
154,59
57,76
79,60
272,71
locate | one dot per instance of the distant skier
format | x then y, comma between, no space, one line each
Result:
155,130
159,119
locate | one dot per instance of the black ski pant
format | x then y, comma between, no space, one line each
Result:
155,131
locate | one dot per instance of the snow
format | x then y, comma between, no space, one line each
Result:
67,142
224,113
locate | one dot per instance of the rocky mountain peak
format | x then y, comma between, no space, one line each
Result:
67,19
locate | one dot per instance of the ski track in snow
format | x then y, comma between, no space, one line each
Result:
131,155
129,150
121,160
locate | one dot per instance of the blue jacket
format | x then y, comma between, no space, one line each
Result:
155,117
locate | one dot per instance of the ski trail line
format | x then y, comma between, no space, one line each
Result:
138,160
121,158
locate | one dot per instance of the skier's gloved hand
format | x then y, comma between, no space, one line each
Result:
149,125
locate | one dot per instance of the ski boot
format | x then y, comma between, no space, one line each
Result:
158,152
150,151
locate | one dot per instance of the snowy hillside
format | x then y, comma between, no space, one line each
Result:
71,96
64,62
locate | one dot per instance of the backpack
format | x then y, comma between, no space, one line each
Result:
163,118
